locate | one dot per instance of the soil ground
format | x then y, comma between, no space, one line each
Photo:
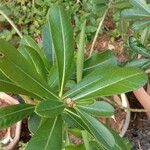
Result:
139,129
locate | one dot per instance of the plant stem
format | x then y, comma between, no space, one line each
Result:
125,108
98,29
11,22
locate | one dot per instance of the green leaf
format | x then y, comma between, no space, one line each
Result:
28,41
137,47
75,147
98,130
122,4
134,14
139,63
139,25
49,108
34,122
53,78
94,145
98,109
22,73
73,120
141,4
62,36
86,101
99,60
48,136
34,58
120,143
108,81
140,10
6,85
12,114
48,43
80,53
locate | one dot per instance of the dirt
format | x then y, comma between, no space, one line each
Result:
139,129
104,42
118,122
25,134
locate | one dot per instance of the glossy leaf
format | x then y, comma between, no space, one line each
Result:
80,53
98,130
48,43
28,41
98,109
86,101
34,58
48,136
6,85
53,78
12,114
49,108
99,60
22,73
34,122
108,81
62,36
73,120
139,48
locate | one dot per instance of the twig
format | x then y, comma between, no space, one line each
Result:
125,108
11,22
98,29
139,145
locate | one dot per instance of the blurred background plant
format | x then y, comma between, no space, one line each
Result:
29,16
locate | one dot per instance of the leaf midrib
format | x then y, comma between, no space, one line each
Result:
64,54
94,128
95,110
107,85
96,65
31,107
51,109
11,83
50,134
35,81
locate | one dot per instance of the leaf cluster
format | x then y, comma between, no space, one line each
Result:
63,91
